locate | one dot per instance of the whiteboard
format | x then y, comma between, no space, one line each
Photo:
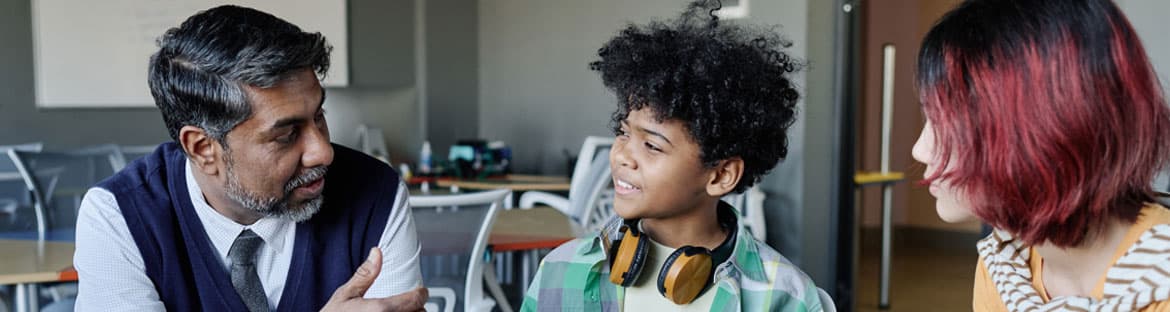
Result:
94,53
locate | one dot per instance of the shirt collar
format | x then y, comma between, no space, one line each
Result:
745,258
223,231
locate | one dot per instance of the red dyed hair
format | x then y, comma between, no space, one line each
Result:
1047,115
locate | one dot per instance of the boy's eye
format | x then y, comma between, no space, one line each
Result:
652,147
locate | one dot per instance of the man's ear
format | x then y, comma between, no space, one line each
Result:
725,176
202,150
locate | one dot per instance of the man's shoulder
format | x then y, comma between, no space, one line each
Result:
143,170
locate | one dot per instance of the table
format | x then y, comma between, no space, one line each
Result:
526,231
515,182
529,229
28,262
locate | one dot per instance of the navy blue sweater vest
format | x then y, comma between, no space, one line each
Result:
182,263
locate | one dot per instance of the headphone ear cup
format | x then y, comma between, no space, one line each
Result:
629,258
685,274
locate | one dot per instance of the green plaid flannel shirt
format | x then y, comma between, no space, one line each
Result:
575,277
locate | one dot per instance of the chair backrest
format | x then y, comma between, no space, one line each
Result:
372,142
750,205
134,152
591,188
453,232
58,181
826,301
16,201
593,208
6,165
593,147
109,153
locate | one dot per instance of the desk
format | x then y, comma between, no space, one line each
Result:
515,230
28,262
515,182
529,229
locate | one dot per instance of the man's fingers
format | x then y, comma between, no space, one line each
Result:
363,278
413,300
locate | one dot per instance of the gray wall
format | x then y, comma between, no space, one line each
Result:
452,72
381,94
21,121
1148,16
537,93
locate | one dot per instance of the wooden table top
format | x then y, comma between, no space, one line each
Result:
27,261
536,228
515,182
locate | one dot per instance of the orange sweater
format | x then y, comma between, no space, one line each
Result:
986,298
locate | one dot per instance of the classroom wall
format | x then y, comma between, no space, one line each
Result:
1149,18
537,93
381,92
21,121
452,73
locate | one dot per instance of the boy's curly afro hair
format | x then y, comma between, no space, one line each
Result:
730,85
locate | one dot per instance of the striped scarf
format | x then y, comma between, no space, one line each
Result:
1139,278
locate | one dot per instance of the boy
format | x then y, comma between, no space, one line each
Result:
703,110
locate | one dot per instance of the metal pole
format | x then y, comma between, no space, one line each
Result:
887,188
21,298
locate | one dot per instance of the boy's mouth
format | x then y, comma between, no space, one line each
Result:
621,187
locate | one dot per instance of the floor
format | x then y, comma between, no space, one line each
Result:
930,272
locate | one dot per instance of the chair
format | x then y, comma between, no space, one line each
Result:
447,296
109,153
134,152
57,182
372,142
590,199
14,196
750,205
453,232
827,304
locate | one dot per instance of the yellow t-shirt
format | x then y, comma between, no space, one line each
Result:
644,296
986,297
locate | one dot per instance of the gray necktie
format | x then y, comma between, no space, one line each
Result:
244,277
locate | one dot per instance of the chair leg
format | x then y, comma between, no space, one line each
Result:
489,277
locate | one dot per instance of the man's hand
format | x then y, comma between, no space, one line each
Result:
348,297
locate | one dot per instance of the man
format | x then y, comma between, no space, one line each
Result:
236,214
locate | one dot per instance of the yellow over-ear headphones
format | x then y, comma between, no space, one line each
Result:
687,273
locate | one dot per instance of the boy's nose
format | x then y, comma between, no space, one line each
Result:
619,158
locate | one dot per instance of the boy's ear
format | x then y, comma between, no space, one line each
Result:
201,149
725,176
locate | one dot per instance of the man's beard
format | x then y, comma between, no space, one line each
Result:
276,206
